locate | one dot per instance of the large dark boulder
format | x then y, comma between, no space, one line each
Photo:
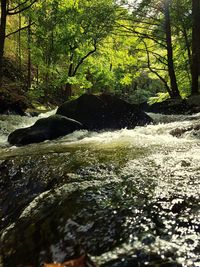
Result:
175,106
44,129
169,107
104,112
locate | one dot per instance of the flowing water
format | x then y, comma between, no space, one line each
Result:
128,197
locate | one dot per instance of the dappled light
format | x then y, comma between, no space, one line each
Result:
99,133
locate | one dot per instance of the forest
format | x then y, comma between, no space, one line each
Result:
99,133
140,50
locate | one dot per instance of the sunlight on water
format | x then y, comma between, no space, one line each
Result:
167,223
126,193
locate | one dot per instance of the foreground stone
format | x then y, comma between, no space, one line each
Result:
44,129
53,200
104,112
50,213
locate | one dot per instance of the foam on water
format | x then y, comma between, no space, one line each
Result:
151,133
140,137
155,188
9,123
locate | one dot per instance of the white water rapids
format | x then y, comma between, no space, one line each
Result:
151,135
165,168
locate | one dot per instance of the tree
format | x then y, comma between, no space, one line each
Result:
195,47
2,34
67,33
170,60
151,22
8,9
88,33
100,45
161,34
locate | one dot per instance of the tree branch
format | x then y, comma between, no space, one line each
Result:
154,71
18,6
144,35
18,30
83,58
141,21
13,12
158,57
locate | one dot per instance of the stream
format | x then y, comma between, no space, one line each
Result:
126,197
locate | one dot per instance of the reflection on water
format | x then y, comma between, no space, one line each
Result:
129,197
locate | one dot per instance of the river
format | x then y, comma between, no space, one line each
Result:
127,197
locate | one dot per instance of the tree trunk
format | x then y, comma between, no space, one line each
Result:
68,86
68,91
195,47
29,55
171,71
188,47
183,24
19,43
2,35
37,75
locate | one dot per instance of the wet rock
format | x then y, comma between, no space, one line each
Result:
55,204
178,132
104,112
170,264
124,262
56,236
19,186
174,106
148,239
44,129
194,101
169,107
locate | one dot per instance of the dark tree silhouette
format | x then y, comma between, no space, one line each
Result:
195,46
6,11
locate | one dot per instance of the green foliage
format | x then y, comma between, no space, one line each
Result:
160,97
66,33
101,46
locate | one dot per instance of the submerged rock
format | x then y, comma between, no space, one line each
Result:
104,112
52,202
192,130
44,129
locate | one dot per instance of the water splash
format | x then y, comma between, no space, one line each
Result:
126,193
9,123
